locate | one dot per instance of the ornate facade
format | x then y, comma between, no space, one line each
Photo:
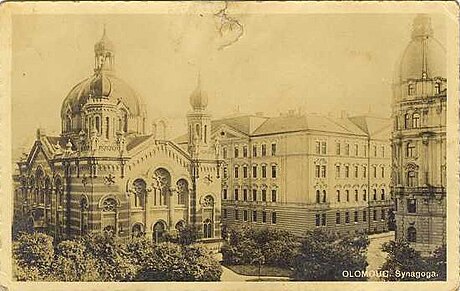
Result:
108,171
419,140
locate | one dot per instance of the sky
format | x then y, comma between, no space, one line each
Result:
322,63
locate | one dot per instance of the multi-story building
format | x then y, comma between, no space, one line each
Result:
299,172
107,172
419,140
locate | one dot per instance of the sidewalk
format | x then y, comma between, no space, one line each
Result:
230,276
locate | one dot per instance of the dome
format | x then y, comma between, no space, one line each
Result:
424,56
199,99
104,44
101,85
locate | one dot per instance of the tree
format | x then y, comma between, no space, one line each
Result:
323,256
33,255
438,263
22,225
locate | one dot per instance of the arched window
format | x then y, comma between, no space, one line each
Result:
158,231
125,121
137,230
109,216
324,196
180,225
407,121
162,186
139,192
107,127
338,195
412,179
205,134
318,196
411,234
197,130
437,88
207,229
182,191
416,120
109,205
97,124
68,123
412,205
411,89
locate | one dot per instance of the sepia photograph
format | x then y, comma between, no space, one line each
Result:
279,143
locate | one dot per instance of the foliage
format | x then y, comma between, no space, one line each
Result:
402,258
22,225
323,256
185,236
33,254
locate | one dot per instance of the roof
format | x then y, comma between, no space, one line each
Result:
135,141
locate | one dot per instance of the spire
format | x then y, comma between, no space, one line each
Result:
198,99
421,27
104,53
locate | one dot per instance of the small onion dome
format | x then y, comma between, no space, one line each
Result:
104,44
199,99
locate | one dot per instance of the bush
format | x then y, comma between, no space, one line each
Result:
22,225
323,256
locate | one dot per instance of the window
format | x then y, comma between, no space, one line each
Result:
237,215
224,213
383,151
347,217
382,216
264,150
224,194
98,124
254,216
356,150
236,152
273,149
273,171
324,196
383,172
364,171
347,149
374,170
236,194
365,150
317,219
264,171
411,205
407,124
364,216
382,195
236,171
224,153
323,219
245,215
317,171
347,193
337,171
364,195
411,178
107,129
375,195
318,196
337,218
375,151
323,148
254,194
338,195
225,172
254,150
411,234
410,150
411,89
245,194
355,216
274,217
375,215
356,194
264,216
347,171
318,147
337,148
274,195
356,171
437,88
245,171
415,120
264,195
323,171
245,151
254,171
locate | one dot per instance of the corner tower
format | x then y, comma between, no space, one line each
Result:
419,140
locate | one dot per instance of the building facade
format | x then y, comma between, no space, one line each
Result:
108,172
419,140
300,172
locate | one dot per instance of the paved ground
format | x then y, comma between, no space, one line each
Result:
375,256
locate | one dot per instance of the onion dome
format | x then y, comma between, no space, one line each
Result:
424,56
104,44
199,98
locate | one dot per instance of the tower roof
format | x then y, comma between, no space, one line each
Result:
199,98
104,44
